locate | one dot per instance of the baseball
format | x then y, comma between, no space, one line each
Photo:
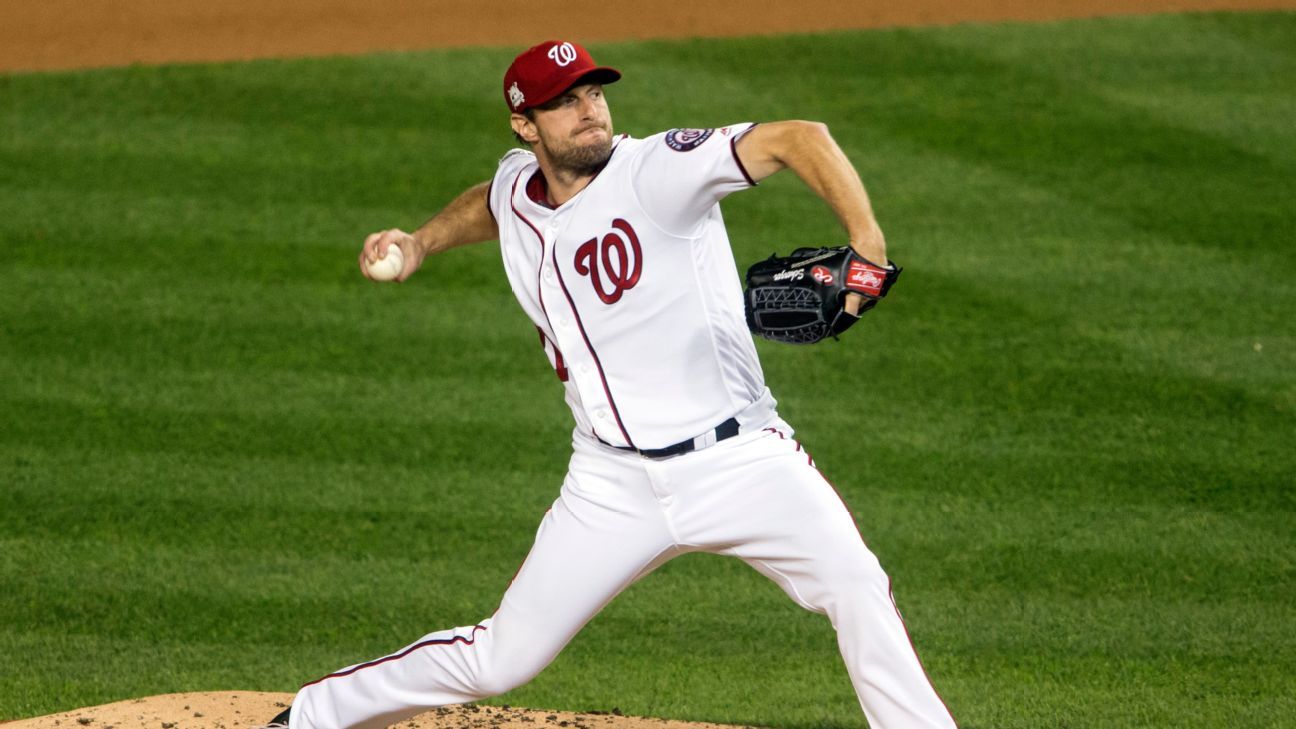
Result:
388,267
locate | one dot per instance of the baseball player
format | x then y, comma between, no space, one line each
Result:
616,250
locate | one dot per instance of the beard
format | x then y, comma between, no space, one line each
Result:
582,159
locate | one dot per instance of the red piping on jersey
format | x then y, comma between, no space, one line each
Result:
512,196
397,656
581,325
539,291
890,594
733,147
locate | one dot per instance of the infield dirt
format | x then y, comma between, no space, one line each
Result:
61,34
37,35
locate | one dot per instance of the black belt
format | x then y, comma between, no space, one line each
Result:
727,429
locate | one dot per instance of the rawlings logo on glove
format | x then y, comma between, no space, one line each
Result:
786,305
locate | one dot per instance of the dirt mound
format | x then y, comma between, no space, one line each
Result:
248,709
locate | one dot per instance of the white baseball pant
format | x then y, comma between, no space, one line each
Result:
756,496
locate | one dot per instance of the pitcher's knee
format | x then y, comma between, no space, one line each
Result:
860,583
502,678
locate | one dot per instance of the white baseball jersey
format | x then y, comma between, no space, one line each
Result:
633,286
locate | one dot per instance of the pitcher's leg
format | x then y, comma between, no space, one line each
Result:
592,544
794,528
890,682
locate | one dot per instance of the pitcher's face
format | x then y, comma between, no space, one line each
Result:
573,131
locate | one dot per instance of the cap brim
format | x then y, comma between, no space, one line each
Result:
598,75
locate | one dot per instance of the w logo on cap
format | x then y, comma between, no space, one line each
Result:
562,54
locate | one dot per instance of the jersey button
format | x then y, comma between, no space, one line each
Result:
602,414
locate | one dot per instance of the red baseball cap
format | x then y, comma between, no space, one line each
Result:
540,73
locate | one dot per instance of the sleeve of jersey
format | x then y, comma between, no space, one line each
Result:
682,173
501,186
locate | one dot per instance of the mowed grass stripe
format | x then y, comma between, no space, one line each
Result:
1209,550
228,462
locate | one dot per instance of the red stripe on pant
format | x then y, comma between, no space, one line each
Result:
446,641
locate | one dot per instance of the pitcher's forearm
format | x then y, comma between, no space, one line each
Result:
826,170
467,219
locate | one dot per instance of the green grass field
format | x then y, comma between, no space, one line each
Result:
227,461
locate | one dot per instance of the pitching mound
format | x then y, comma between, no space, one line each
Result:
245,709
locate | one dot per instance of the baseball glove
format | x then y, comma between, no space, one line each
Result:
800,299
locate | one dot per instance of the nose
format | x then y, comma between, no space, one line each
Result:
587,107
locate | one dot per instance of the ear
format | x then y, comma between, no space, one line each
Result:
525,128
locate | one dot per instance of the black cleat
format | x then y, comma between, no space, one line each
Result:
280,721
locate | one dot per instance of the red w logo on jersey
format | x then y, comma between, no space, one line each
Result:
617,260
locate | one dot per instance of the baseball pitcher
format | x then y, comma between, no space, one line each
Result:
617,251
